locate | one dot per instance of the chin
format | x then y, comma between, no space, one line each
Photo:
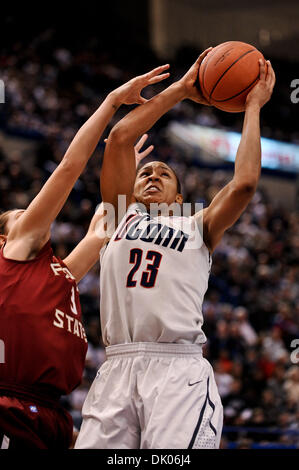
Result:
151,200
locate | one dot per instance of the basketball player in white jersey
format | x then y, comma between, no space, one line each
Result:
156,391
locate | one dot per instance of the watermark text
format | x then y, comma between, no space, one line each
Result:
2,92
295,93
295,353
2,352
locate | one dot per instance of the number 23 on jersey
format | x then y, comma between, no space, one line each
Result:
147,277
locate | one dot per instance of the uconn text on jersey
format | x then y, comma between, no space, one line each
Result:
153,232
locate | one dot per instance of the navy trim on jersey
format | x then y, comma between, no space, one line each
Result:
197,428
200,418
212,405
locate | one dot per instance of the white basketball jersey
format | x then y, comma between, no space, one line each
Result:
154,275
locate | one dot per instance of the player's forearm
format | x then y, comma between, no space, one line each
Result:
248,159
98,215
88,136
142,118
86,253
84,256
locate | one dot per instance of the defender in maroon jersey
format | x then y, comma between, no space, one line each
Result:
40,315
45,348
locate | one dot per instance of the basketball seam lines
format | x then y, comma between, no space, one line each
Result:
203,74
213,89
227,99
203,81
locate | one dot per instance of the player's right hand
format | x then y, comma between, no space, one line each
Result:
190,81
129,93
262,91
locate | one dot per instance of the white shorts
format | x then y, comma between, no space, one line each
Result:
152,396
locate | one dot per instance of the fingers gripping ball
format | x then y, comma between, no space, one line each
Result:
228,73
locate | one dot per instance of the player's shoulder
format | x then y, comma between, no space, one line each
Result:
18,251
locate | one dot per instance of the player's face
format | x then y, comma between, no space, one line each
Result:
12,218
156,183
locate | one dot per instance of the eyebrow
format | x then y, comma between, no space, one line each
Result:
150,168
165,168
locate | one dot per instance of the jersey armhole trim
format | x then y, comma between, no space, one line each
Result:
203,242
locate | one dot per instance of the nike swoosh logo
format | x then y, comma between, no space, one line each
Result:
194,383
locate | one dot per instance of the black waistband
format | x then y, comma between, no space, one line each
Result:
40,394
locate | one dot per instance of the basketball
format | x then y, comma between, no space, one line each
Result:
228,73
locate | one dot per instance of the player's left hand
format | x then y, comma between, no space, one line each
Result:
130,92
262,91
140,155
190,81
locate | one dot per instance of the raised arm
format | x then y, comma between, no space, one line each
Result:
232,200
86,253
118,170
35,222
32,229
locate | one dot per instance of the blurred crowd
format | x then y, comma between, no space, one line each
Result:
251,308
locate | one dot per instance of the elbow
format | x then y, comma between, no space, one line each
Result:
247,186
120,134
68,166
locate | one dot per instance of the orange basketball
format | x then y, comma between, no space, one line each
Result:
228,73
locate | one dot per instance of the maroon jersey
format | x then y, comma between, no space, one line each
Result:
40,324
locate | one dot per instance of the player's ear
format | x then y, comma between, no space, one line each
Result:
3,239
179,198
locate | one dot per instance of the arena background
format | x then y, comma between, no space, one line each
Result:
57,68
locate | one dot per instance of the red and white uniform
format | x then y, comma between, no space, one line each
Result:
40,325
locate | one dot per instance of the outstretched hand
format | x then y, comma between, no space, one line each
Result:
140,155
189,81
130,92
262,91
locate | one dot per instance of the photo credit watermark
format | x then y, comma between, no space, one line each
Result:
295,93
2,352
295,353
2,92
170,224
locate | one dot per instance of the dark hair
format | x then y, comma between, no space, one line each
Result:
3,221
179,187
